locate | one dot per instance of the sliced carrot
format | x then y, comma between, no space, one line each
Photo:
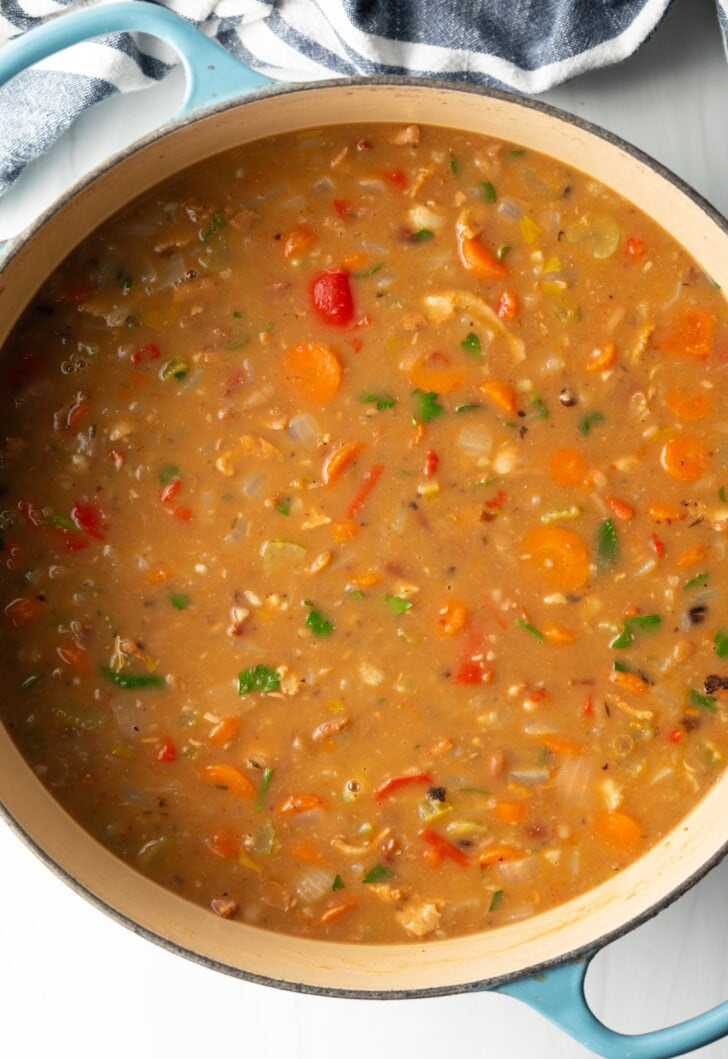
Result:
224,731
661,511
330,915
691,335
693,555
501,394
344,531
443,846
631,682
298,241
561,744
685,457
480,259
559,555
357,259
23,610
510,812
508,305
76,413
452,618
76,657
361,496
229,778
337,461
603,357
567,466
620,828
300,803
499,854
619,508
313,371
558,634
432,378
635,248
224,844
691,405
158,574
366,579
306,851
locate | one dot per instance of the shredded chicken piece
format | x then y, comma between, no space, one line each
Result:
225,907
410,134
327,729
633,711
442,306
419,917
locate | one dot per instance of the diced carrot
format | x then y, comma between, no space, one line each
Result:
675,735
501,394
559,555
396,178
558,634
433,378
166,751
508,305
661,511
693,555
452,618
344,531
158,574
306,851
631,682
432,856
395,783
602,358
620,828
685,457
567,466
231,779
561,744
337,461
298,241
224,844
76,657
480,259
370,479
330,915
443,845
224,731
300,803
313,371
355,259
498,854
635,248
619,508
22,610
432,462
690,335
691,405
510,812
76,413
366,579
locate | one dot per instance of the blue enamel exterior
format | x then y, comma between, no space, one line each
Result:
213,76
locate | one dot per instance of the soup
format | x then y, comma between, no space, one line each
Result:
363,531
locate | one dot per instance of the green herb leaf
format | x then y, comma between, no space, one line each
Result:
471,344
378,874
316,622
706,701
176,368
607,544
52,518
699,581
496,900
427,406
621,667
217,222
267,777
423,235
454,165
338,883
530,628
168,473
284,506
133,680
518,151
539,407
30,681
589,420
466,408
179,600
502,250
488,191
397,604
642,621
258,678
368,272
127,283
721,494
720,641
356,593
381,400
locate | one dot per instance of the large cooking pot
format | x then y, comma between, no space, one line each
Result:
542,961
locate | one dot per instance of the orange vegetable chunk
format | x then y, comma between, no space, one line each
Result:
559,555
313,371
685,457
480,259
567,466
231,778
621,829
691,335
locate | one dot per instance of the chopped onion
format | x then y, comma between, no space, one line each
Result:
575,781
253,486
303,429
475,440
314,884
518,871
510,210
171,270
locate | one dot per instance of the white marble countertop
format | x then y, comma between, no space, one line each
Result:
76,985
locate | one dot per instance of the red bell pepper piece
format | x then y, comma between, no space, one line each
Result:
89,518
395,782
443,845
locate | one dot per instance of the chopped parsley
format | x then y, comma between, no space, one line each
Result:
427,406
168,473
258,678
283,506
338,883
607,544
133,680
502,250
518,151
496,900
423,235
721,494
267,777
378,874
179,600
316,622
369,271
356,593
397,604
589,420
455,165
381,400
487,191
522,624
539,407
699,581
217,222
630,626
471,344
706,701
52,518
176,368
720,641
466,408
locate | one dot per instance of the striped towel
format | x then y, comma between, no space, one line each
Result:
524,45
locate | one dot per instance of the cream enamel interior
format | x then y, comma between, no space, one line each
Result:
437,966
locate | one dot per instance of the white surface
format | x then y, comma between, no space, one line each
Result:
75,985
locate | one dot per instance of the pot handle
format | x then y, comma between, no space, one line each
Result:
558,994
212,74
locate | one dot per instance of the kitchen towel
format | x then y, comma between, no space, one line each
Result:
524,45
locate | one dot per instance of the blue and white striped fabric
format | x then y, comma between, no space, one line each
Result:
524,45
